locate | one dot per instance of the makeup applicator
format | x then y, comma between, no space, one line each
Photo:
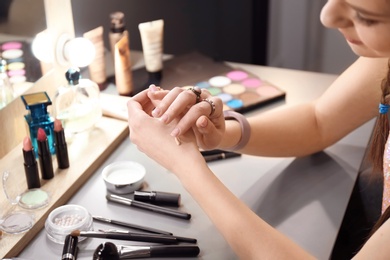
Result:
110,251
153,238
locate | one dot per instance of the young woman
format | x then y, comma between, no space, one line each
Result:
158,117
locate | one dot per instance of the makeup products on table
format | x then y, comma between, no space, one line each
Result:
97,69
147,206
152,35
30,165
110,251
38,117
120,47
6,89
44,155
61,146
216,155
65,219
158,197
123,177
77,104
128,236
70,249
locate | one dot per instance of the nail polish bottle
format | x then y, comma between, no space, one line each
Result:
39,117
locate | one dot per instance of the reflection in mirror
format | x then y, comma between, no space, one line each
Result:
20,21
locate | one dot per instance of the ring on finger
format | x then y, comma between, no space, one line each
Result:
197,91
212,105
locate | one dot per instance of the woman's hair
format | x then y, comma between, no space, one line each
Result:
381,129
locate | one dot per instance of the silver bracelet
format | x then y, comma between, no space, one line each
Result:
245,128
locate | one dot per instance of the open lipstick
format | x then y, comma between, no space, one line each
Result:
30,165
44,155
61,146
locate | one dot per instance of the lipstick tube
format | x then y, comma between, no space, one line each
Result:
61,146
158,197
30,165
45,161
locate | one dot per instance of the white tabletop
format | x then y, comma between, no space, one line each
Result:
305,198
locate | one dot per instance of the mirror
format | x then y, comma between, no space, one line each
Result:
59,20
20,21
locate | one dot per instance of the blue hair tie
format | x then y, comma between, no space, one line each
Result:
383,108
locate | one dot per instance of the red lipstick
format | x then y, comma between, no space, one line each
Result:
30,165
61,146
44,155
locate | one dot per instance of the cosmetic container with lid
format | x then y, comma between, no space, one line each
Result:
6,89
77,104
39,117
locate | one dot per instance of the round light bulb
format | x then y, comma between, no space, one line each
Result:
42,47
79,52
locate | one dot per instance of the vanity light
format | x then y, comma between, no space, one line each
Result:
68,51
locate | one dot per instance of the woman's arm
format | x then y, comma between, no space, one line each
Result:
249,236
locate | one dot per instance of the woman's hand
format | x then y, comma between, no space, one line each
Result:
152,136
192,108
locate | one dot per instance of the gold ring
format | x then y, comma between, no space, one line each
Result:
197,91
212,105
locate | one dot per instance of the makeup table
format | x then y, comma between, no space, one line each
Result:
304,198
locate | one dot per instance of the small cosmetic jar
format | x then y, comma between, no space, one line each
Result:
123,177
65,219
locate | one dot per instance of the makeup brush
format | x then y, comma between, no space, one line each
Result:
126,236
147,206
110,251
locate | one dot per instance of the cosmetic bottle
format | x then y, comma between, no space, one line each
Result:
120,48
39,117
77,104
97,69
152,36
6,89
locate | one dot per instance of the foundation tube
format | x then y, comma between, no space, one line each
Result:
97,69
123,73
152,45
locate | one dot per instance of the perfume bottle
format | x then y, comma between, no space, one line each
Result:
6,89
77,104
38,117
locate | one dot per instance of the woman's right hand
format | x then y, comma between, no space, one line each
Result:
198,110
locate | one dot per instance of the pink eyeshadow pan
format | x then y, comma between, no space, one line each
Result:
252,83
237,75
11,46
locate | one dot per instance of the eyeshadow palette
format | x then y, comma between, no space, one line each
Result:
21,64
240,90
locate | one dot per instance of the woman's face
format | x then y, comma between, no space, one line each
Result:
365,24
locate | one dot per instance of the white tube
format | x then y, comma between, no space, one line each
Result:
152,44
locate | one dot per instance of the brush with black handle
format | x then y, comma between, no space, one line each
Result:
110,251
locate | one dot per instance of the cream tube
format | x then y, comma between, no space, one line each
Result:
123,73
97,69
152,45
